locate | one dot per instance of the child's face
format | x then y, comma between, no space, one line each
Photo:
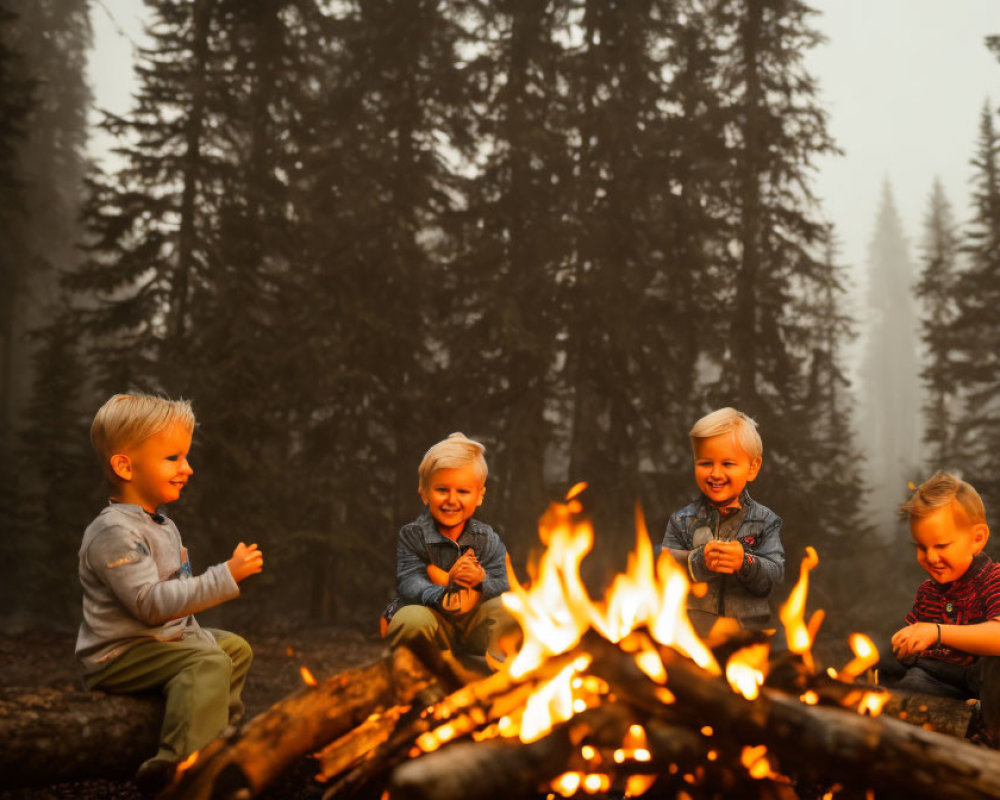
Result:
722,468
155,471
946,542
453,495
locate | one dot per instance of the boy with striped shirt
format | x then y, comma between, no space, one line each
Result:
951,640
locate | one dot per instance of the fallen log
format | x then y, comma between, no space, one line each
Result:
896,760
245,761
49,735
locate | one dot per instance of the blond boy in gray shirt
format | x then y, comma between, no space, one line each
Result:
139,596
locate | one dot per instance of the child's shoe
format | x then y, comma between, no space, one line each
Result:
154,776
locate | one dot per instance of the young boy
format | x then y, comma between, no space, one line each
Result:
724,538
450,567
138,632
952,635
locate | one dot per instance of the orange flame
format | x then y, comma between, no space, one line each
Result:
307,676
865,657
556,610
747,669
800,635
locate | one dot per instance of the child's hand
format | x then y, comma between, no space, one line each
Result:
467,571
914,639
724,557
247,560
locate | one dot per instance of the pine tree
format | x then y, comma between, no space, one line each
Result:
936,292
975,332
504,343
773,273
52,38
890,422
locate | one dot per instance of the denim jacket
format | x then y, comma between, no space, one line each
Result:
420,543
743,594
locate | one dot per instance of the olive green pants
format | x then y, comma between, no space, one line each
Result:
201,685
473,633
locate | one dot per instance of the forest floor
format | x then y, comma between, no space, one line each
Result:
46,659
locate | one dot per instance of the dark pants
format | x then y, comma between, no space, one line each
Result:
980,679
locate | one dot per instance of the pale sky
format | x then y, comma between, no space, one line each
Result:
904,82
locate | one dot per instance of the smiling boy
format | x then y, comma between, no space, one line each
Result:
952,635
450,567
725,539
139,596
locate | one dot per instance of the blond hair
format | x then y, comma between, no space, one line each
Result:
726,420
127,420
451,453
942,489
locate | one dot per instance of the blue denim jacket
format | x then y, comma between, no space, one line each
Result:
743,594
420,543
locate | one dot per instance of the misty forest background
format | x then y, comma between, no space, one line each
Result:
567,228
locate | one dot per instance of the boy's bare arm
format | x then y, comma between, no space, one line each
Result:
982,639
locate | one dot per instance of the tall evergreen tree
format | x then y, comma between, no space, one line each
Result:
515,245
771,285
975,332
890,416
52,38
936,292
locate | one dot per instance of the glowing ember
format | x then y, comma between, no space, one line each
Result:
747,669
186,763
637,785
810,698
307,676
596,782
756,762
872,703
800,635
567,783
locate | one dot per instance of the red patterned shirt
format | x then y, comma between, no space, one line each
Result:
969,600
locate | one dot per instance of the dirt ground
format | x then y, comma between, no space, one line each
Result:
46,659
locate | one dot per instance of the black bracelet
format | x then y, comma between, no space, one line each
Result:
938,642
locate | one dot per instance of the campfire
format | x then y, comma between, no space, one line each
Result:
618,696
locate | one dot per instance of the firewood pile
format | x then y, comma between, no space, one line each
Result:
619,698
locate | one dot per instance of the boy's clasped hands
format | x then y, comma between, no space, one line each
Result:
723,557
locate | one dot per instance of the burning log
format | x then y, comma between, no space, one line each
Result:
605,696
49,736
821,744
244,762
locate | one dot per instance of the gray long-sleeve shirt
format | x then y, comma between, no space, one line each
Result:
137,585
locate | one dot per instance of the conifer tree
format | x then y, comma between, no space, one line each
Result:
936,292
890,424
975,332
515,243
51,38
773,270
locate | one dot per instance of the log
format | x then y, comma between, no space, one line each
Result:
242,763
896,760
942,714
49,735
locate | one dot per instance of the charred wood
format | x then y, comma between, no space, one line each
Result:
245,761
